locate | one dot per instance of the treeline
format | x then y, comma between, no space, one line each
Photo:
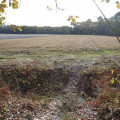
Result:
100,27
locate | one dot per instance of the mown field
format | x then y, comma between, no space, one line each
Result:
63,48
60,77
59,42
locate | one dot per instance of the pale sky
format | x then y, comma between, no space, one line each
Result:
35,13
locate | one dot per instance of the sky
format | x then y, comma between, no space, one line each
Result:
35,13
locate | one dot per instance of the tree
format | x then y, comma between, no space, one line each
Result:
14,4
117,17
100,19
5,4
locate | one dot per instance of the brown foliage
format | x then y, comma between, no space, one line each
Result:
34,78
4,93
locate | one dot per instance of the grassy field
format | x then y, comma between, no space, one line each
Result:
58,48
57,42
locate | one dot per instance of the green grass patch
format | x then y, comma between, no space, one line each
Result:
50,56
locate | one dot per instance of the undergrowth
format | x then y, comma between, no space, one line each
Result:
22,87
104,86
34,78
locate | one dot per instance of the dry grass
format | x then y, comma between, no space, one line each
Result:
59,42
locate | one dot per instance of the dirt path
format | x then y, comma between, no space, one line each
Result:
67,105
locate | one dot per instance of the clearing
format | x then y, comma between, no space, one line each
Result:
58,48
38,65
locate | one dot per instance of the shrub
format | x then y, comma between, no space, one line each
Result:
34,78
104,86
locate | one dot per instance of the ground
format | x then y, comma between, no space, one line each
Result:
58,48
74,53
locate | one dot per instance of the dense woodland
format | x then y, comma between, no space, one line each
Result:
88,27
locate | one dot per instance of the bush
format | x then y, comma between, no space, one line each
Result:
104,86
34,78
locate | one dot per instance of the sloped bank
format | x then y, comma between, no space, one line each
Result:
32,78
99,87
102,89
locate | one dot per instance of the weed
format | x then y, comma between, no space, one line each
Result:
65,107
67,116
